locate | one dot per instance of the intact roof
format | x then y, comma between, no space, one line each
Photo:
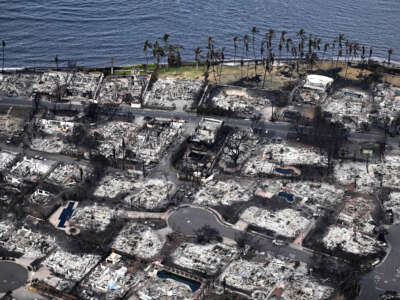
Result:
318,82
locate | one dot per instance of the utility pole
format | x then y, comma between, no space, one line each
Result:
112,65
4,48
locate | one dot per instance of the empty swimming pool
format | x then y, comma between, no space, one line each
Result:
194,285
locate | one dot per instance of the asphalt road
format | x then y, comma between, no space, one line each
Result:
188,220
279,127
12,276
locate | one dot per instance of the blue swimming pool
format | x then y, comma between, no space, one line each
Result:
284,171
194,285
66,214
287,196
353,95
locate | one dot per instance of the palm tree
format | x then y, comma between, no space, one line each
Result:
326,47
56,61
197,52
235,40
333,49
280,49
390,52
4,49
254,31
301,33
288,44
165,39
147,45
371,50
262,49
294,55
211,55
158,52
362,60
222,59
246,47
340,47
179,48
271,35
283,33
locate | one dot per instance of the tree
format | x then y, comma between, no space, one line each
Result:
4,57
254,31
235,46
165,39
390,52
56,61
371,50
147,45
207,234
326,47
288,46
197,52
333,49
158,52
234,145
340,47
246,48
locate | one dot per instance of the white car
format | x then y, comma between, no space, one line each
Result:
278,243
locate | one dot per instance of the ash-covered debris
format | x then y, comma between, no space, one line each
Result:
174,93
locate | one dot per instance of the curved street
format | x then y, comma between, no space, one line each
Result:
189,219
12,276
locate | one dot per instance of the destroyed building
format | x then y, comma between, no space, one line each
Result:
207,131
250,276
116,183
151,194
216,193
357,212
238,147
349,107
151,142
268,157
303,288
112,279
315,195
240,102
22,240
83,86
70,174
313,91
207,259
29,169
286,222
7,159
70,266
41,197
121,90
388,171
92,217
174,93
351,241
386,107
114,139
138,239
18,84
52,85
358,174
154,287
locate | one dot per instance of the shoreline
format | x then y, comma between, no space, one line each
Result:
229,62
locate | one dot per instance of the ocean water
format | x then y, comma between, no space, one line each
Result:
92,31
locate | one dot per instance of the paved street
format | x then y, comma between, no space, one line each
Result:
279,127
187,220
